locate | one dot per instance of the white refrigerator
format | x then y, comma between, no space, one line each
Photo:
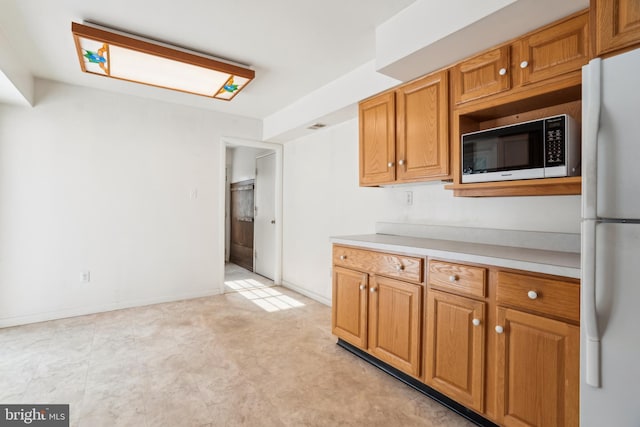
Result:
610,258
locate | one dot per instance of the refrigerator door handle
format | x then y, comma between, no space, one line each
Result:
590,315
591,95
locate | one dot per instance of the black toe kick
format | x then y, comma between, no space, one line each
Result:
417,385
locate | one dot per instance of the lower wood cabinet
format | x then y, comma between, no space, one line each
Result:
502,343
538,364
455,347
379,314
395,316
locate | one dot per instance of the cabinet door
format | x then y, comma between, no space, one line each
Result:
349,308
556,50
377,139
482,75
538,364
617,24
422,142
395,310
455,347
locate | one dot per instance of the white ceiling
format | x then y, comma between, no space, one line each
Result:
294,46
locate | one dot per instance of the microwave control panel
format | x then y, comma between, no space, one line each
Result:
555,141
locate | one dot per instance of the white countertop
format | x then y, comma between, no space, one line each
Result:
565,264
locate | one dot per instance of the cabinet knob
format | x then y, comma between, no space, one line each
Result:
502,71
532,294
372,289
363,287
524,64
453,278
476,322
401,162
390,164
499,329
399,267
343,257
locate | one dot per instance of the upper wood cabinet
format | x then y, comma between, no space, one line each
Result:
554,50
404,134
617,24
483,75
422,128
377,120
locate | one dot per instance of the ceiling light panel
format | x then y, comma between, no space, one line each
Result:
133,59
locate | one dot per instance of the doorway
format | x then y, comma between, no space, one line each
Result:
251,166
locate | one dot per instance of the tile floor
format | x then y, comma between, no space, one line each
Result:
258,357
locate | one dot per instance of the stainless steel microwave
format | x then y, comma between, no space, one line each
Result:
542,148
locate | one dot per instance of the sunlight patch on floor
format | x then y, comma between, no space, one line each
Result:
242,284
270,300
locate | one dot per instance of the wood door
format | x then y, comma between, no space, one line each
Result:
482,75
556,50
455,347
617,24
422,142
349,306
242,224
395,312
377,118
538,362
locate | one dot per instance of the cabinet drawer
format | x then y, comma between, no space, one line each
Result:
458,278
547,296
391,265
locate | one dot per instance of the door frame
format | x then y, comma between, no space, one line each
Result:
221,229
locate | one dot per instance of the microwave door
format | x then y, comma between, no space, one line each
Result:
502,157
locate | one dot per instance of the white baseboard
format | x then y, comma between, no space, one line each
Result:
82,311
307,293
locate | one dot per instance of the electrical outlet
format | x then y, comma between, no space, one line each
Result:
408,198
85,276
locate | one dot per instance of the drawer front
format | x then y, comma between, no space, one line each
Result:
458,278
547,296
385,264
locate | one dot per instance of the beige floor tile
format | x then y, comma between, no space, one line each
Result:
260,355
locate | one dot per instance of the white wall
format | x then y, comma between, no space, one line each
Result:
243,163
118,185
322,199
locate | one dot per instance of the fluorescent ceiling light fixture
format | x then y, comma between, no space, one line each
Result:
126,57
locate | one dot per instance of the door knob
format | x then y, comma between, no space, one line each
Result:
273,221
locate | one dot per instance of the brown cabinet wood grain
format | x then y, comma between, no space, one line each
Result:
377,124
538,369
458,278
483,75
422,128
404,134
553,51
455,347
395,313
349,306
617,25
392,265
